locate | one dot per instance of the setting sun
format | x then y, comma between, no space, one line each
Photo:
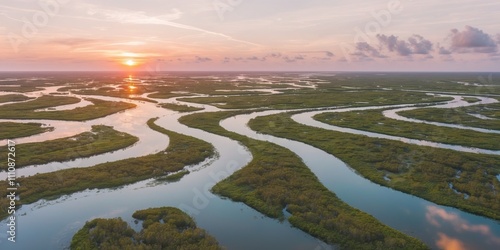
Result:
130,62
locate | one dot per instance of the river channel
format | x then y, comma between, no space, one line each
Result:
51,224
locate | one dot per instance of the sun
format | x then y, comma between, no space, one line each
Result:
130,62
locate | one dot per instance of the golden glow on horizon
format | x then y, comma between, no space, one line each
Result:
130,62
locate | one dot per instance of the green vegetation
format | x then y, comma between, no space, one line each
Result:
422,171
13,98
375,121
42,102
123,92
21,89
465,83
276,179
12,130
162,228
100,140
182,151
174,177
26,110
180,107
460,116
315,98
471,99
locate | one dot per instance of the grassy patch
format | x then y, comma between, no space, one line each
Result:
45,101
276,178
179,107
460,116
182,151
26,110
121,93
22,89
174,177
13,98
12,130
100,140
162,228
471,99
418,170
315,98
375,121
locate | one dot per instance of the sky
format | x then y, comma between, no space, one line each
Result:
250,35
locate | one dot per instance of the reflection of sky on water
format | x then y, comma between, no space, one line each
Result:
463,230
448,243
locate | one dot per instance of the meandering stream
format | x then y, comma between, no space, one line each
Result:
412,215
51,224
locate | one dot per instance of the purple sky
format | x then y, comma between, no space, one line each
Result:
336,35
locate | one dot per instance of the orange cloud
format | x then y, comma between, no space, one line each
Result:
434,214
448,243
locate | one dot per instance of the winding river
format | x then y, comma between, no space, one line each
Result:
432,223
51,224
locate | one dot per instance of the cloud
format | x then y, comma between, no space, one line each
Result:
443,51
291,59
472,40
438,216
140,17
273,56
387,44
393,44
365,50
199,59
326,53
420,45
71,41
329,54
255,58
448,243
416,44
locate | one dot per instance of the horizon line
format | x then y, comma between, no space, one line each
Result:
238,71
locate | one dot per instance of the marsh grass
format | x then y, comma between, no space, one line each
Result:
277,178
26,110
460,116
182,151
13,98
162,228
100,140
179,107
12,130
422,171
315,98
375,121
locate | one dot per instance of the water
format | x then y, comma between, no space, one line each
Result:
482,117
51,224
132,121
307,119
434,224
457,102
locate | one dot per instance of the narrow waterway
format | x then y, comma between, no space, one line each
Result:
432,223
457,102
51,224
